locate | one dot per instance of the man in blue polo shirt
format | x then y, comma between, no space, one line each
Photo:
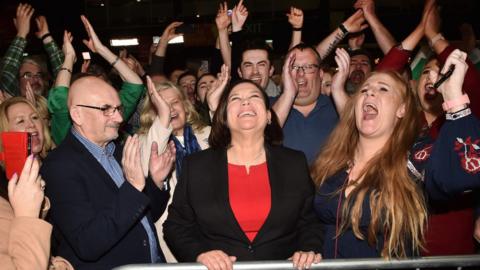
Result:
307,116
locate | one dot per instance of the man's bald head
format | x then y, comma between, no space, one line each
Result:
87,88
88,99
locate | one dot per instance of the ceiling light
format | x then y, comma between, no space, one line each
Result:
120,42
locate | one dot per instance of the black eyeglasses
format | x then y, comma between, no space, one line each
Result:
107,110
307,69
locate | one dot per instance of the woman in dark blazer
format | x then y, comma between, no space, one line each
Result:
245,198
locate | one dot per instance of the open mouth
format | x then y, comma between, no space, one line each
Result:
173,116
246,114
430,92
370,111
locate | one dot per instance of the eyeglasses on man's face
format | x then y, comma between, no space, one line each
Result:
107,110
307,69
29,76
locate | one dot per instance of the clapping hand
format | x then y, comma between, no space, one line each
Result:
131,163
22,19
214,94
160,165
161,106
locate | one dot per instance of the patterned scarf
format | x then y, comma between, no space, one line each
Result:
191,146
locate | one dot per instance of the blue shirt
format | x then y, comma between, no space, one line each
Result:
105,157
308,134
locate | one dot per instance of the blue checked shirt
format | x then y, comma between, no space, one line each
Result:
105,157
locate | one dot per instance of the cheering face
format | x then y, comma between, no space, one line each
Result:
33,74
187,83
256,67
430,99
204,84
246,109
308,76
378,106
22,117
178,116
359,68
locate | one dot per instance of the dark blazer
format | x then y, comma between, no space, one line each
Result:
200,217
96,225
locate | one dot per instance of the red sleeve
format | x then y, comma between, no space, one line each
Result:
471,84
395,59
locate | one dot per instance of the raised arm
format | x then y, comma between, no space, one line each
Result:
239,17
285,102
65,73
353,24
158,57
55,55
384,39
10,65
223,21
96,46
339,95
295,18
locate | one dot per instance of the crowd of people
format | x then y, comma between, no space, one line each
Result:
342,159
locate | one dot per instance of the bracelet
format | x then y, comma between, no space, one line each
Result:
457,115
45,36
64,68
114,62
436,38
297,29
448,104
343,29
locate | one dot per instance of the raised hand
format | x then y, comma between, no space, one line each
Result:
295,17
216,260
451,89
214,94
367,6
26,193
239,16
22,19
290,85
160,165
169,32
161,106
432,21
67,47
85,65
42,26
342,58
93,43
222,20
356,22
355,42
131,163
30,95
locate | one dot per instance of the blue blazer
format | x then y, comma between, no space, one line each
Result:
96,225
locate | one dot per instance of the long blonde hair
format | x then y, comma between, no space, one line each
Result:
47,139
396,202
148,113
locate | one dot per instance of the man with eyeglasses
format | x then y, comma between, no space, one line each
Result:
307,116
103,208
17,70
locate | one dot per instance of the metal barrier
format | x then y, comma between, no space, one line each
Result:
415,263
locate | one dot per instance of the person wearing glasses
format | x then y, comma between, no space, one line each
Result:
130,93
103,207
17,70
307,116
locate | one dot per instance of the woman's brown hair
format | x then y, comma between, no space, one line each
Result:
397,204
220,136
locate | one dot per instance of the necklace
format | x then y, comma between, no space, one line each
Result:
247,163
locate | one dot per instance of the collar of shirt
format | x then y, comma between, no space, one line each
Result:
97,151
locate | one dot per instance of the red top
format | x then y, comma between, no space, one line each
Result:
250,196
